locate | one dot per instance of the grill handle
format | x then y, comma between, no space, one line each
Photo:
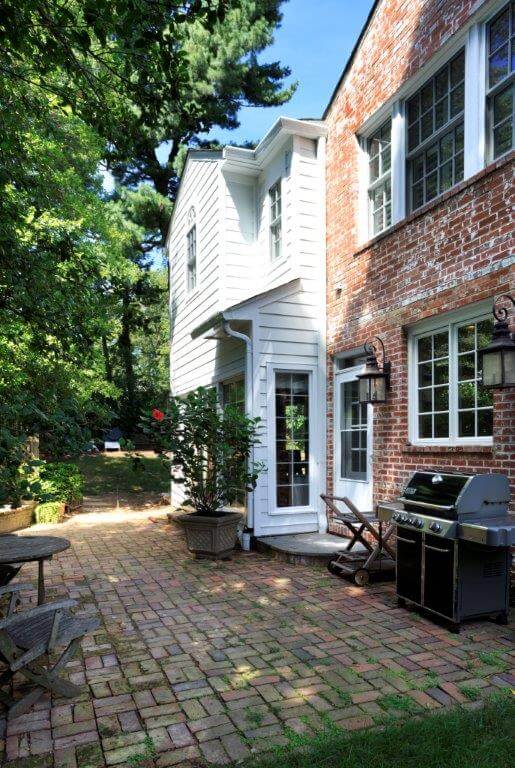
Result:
406,541
425,504
437,549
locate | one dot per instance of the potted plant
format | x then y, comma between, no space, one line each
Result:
209,450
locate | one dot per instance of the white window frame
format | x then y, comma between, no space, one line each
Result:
430,326
275,221
381,180
477,151
492,91
191,229
311,370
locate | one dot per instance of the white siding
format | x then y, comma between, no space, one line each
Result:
283,301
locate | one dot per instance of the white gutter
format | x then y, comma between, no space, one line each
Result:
249,398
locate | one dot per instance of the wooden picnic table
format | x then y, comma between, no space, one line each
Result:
26,549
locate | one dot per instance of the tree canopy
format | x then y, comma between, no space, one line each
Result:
87,85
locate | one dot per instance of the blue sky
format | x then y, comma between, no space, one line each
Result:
315,41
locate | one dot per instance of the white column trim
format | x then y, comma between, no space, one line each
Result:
475,101
398,162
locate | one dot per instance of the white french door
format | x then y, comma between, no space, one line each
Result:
353,441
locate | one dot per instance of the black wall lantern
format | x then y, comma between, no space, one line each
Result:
374,381
498,358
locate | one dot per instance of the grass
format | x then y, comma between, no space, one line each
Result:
116,473
459,738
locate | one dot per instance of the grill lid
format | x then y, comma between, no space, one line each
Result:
435,488
457,496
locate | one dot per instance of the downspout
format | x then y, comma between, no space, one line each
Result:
249,398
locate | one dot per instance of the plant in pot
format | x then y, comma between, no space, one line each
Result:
209,450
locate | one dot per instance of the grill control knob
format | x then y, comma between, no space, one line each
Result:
419,523
435,527
410,521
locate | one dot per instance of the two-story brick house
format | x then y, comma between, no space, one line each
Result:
247,302
420,137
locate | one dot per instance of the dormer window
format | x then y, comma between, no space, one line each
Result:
274,195
191,252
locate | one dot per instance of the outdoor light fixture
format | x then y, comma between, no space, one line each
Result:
498,358
374,381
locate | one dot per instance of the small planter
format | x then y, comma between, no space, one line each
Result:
16,519
211,535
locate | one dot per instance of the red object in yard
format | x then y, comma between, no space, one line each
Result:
157,414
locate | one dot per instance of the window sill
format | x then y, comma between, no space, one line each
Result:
413,448
505,159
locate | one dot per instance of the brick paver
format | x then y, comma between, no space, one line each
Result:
201,662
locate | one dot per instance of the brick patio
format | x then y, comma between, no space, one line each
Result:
216,660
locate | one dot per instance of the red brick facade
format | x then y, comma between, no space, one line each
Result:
453,252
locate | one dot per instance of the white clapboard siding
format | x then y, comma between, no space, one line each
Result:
281,301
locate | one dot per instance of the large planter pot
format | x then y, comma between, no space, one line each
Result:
16,519
211,535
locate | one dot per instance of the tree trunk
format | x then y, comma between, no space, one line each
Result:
129,417
107,360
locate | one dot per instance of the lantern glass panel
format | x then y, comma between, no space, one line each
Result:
378,390
492,369
509,367
364,391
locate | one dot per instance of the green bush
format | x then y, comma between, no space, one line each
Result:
61,481
50,512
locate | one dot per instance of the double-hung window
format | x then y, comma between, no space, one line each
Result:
449,405
500,41
379,178
435,134
191,258
274,196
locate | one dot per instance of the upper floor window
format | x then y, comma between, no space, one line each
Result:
501,67
191,252
435,117
379,178
448,402
274,196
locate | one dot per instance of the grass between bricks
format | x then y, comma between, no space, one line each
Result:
457,738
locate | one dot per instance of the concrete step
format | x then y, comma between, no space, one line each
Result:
304,548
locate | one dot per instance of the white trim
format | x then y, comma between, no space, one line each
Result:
364,487
475,101
315,428
398,172
450,320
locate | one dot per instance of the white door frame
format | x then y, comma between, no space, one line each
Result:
359,491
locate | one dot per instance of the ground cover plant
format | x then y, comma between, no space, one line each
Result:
117,474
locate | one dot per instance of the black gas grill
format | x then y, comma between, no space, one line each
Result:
454,535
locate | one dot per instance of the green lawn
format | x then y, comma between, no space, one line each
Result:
458,738
115,473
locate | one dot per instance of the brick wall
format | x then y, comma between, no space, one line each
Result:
453,252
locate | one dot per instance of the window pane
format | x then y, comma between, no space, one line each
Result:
499,30
353,433
425,374
467,394
442,425
466,424
498,68
466,338
485,423
466,366
425,348
425,400
425,426
441,398
292,428
441,371
441,344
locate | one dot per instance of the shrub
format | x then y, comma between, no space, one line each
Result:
212,448
61,481
49,512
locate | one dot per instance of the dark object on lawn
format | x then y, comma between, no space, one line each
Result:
90,447
378,561
454,535
112,439
26,640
